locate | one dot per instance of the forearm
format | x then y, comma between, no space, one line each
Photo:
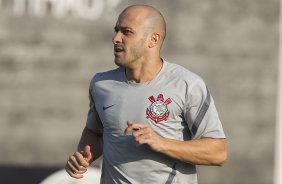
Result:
205,151
94,141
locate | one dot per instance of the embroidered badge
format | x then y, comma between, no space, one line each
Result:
158,110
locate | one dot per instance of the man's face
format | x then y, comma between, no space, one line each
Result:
129,40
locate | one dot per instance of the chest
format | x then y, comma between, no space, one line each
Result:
160,106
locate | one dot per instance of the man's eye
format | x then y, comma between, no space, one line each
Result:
126,32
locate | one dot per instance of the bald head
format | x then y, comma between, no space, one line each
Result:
152,20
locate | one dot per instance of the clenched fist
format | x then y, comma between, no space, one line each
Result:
78,163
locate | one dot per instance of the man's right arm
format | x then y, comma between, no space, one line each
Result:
89,149
94,140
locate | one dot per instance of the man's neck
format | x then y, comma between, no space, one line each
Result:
144,72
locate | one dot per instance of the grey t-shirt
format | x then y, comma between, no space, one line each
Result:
176,104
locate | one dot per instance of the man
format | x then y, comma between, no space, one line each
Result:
152,120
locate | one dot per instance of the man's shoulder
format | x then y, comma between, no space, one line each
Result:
107,75
182,73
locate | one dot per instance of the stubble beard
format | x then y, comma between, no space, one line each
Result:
128,61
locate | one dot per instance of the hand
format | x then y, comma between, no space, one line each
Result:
77,164
144,134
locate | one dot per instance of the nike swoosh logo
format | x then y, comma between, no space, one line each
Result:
106,107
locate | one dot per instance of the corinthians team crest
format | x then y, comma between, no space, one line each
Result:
158,110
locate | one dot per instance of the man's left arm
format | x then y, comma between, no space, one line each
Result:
203,151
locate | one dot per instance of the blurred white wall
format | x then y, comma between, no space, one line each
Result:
47,61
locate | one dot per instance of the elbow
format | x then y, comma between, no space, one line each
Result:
221,158
221,161
215,159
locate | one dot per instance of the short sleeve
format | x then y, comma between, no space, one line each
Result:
93,120
201,114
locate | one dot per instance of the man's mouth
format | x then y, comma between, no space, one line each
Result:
118,49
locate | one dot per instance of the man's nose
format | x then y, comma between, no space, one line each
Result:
116,38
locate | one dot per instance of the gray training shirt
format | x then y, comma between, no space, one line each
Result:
176,104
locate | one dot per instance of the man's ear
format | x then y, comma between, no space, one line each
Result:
154,40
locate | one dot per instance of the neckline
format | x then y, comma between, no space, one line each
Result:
144,84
